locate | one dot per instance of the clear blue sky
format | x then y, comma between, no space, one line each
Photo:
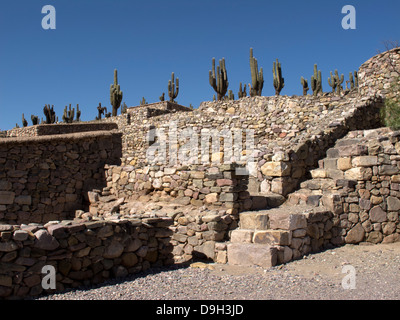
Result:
147,40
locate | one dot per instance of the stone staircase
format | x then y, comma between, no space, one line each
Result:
303,223
269,237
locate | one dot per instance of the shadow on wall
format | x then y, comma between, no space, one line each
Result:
47,178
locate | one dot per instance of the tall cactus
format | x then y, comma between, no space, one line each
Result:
173,89
162,97
279,82
115,95
50,114
24,122
242,92
69,114
231,96
100,111
333,82
35,120
316,81
336,82
219,80
257,77
304,83
353,80
78,113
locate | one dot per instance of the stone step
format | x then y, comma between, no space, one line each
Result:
318,184
254,220
327,173
252,254
284,218
266,200
267,237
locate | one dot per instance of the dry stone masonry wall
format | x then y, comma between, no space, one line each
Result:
82,253
47,178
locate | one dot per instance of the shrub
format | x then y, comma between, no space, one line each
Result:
390,113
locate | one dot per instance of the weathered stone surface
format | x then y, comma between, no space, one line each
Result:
20,235
242,236
287,221
211,218
8,246
276,169
23,200
246,254
254,220
365,161
114,250
359,173
44,240
356,234
375,237
207,249
393,204
377,214
344,164
7,197
273,237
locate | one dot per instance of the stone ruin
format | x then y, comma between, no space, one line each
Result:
88,199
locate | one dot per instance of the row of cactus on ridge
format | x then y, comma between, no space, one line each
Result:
218,79
50,116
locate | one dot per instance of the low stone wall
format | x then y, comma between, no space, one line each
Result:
82,253
184,185
60,128
47,178
367,200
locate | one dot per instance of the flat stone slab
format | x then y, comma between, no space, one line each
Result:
250,254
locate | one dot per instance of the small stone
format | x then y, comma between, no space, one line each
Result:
377,214
356,234
114,250
44,240
20,235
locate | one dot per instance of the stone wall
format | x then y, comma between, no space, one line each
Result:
47,178
377,74
60,128
186,185
367,204
290,135
82,253
358,182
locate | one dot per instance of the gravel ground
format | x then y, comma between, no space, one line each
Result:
315,277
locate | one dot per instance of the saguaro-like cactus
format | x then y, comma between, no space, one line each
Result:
35,120
24,122
219,80
279,82
50,114
115,95
173,88
78,113
316,81
68,116
231,96
257,77
143,102
100,111
332,82
336,82
162,97
304,83
242,93
353,80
